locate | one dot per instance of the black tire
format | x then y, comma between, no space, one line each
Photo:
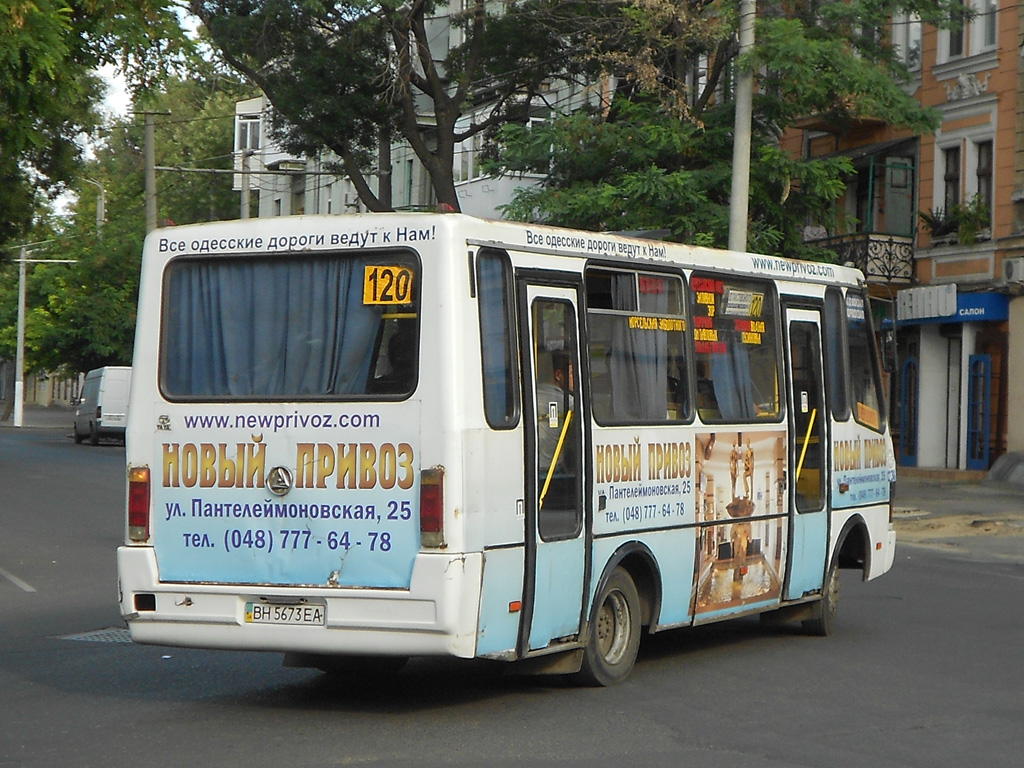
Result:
94,436
820,623
614,639
79,437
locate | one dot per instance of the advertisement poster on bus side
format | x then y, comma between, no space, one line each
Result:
742,515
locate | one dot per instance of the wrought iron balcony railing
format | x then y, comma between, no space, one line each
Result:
883,258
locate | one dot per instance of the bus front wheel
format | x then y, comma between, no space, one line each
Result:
614,638
820,623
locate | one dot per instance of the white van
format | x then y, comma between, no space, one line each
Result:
103,407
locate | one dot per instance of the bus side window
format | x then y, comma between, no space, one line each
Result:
865,381
835,357
736,340
636,324
500,360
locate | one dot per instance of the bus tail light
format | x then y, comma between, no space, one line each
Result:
432,507
138,503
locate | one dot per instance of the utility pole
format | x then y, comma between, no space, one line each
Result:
246,154
149,153
150,158
101,207
739,199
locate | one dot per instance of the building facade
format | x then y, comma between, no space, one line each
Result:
937,224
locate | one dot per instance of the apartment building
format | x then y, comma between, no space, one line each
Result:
937,224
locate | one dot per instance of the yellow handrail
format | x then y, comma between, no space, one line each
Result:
554,460
807,439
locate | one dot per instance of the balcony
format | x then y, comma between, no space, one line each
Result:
883,258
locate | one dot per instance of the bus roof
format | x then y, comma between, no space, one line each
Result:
382,230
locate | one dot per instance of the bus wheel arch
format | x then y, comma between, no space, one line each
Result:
638,560
853,549
852,552
627,599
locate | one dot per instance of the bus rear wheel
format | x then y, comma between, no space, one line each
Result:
614,639
820,623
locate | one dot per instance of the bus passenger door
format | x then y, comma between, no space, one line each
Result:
553,594
809,454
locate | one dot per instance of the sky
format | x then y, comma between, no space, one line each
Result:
117,101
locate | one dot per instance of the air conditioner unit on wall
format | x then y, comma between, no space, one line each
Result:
1013,270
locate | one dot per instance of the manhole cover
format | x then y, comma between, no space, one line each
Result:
110,635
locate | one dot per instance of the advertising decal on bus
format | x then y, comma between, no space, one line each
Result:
263,509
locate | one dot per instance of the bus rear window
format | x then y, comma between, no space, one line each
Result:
324,326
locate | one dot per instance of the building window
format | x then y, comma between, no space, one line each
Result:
987,16
956,35
906,39
984,175
697,78
951,177
462,157
247,137
408,182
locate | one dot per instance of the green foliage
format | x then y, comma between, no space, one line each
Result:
641,168
49,51
82,315
965,220
662,157
349,74
826,72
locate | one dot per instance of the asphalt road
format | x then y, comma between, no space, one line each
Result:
923,669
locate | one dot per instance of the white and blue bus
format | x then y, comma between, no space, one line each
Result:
356,439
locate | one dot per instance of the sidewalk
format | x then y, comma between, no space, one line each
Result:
977,514
43,417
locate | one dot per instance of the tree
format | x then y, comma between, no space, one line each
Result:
49,52
661,156
639,167
82,315
352,75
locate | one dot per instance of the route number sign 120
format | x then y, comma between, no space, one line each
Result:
384,284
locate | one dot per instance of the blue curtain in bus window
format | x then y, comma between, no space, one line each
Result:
639,360
268,329
734,387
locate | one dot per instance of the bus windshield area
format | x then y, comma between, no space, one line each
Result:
303,327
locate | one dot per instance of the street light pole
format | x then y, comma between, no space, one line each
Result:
19,358
19,364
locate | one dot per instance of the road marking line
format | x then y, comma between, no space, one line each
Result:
16,581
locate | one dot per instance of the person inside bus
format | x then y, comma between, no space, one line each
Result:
401,354
555,399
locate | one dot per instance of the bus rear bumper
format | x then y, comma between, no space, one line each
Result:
437,615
